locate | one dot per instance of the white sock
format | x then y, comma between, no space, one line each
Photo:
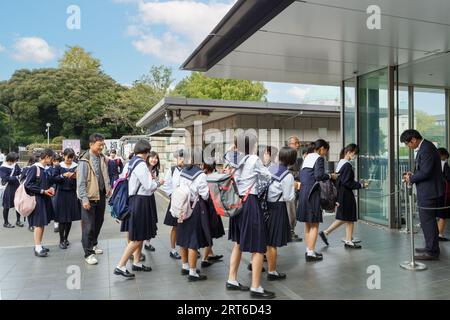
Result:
185,266
349,242
193,272
275,273
310,252
441,235
137,264
260,289
38,248
124,269
233,282
173,251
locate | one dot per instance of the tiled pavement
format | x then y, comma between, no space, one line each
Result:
342,274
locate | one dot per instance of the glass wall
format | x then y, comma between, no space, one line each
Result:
349,112
373,142
429,115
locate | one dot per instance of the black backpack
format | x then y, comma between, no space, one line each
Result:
328,195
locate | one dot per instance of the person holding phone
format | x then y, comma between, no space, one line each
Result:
67,206
346,211
38,183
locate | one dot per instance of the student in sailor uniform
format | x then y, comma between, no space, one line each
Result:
346,211
33,159
247,229
9,174
154,166
38,183
214,221
67,206
278,227
442,215
309,210
194,233
140,219
50,171
172,181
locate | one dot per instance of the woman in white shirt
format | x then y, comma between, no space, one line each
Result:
141,186
278,227
247,229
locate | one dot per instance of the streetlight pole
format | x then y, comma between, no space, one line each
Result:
48,133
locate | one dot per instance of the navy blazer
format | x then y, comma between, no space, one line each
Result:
428,176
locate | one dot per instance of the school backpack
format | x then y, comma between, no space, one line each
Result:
119,199
328,195
180,202
23,202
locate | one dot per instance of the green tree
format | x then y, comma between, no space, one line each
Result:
197,85
77,58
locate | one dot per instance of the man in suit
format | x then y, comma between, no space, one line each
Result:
430,190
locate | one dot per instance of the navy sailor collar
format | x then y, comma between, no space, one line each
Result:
278,172
191,173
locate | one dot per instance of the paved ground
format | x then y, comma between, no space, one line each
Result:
342,274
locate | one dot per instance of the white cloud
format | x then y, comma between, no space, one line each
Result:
32,49
298,93
185,23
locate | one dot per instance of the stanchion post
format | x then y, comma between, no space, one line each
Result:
412,265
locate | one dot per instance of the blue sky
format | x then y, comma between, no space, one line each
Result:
128,36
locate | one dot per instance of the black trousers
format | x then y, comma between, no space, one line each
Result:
429,226
91,224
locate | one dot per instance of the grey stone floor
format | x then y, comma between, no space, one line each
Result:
343,274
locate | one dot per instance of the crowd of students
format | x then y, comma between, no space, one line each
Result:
67,191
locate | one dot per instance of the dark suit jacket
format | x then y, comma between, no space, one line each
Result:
428,176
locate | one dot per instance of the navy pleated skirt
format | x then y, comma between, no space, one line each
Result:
248,228
67,206
278,227
169,220
346,211
309,209
43,213
140,219
194,232
8,196
215,222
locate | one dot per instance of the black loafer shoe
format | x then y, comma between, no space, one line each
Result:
352,246
150,248
239,287
175,256
250,268
142,259
143,268
313,258
425,256
324,238
41,254
274,277
67,242
215,258
125,274
262,295
8,226
206,264
421,250
63,245
443,239
199,278
46,249
186,272
19,224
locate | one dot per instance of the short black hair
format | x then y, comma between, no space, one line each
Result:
409,134
287,156
142,146
319,144
58,158
179,153
12,157
350,148
113,151
47,153
33,159
69,152
130,156
93,138
443,152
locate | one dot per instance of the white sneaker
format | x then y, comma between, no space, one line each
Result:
97,250
91,260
